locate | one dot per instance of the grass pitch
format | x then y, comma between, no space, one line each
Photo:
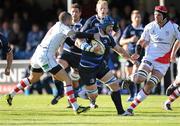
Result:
36,110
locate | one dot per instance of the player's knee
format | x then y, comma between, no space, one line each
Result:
111,80
154,80
140,76
92,92
74,76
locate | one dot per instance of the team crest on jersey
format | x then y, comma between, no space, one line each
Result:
92,80
167,33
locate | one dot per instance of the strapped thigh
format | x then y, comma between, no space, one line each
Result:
111,80
142,73
154,79
95,91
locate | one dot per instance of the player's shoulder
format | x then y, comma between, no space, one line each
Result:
173,23
3,38
82,21
150,25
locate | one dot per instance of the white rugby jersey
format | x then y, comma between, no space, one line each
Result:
160,41
55,37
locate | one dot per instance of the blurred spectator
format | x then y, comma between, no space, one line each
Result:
33,39
127,13
17,40
173,14
5,30
144,14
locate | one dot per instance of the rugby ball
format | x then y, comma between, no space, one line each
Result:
95,43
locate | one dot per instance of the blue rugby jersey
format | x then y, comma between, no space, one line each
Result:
76,27
92,60
129,32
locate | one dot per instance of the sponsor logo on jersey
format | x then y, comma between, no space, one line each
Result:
46,66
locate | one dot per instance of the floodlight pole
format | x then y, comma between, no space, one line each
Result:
69,3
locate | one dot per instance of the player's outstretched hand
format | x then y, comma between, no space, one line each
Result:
135,56
7,71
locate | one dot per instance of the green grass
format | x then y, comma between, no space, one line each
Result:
36,110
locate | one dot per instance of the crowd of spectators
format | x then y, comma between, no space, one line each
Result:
24,23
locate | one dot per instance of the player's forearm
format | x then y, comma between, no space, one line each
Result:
9,58
122,52
124,41
175,47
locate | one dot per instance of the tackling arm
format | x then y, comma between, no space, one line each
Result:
9,58
174,50
123,53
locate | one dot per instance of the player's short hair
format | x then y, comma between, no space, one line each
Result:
63,16
101,2
76,5
135,12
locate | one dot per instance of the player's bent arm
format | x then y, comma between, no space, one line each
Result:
175,48
9,58
139,46
123,53
124,41
83,45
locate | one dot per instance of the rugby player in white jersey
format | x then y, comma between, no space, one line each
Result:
173,91
44,60
157,39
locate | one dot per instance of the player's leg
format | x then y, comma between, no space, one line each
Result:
113,83
176,83
139,77
34,77
171,99
88,79
61,75
132,86
60,92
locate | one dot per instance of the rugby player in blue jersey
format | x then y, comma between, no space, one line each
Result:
93,64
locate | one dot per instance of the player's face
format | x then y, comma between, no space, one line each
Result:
109,29
76,13
158,17
69,21
136,18
102,10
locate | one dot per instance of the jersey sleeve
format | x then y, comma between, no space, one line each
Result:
87,25
113,43
146,35
177,31
4,45
68,31
125,33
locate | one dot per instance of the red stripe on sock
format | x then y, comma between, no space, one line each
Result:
69,92
133,105
72,100
145,92
16,89
174,94
138,101
22,84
